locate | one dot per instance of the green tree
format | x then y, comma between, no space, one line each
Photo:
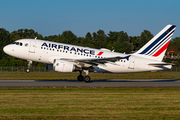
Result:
174,45
94,36
101,39
88,40
111,39
4,40
120,42
144,38
54,38
68,37
133,40
24,33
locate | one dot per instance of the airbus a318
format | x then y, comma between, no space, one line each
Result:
69,58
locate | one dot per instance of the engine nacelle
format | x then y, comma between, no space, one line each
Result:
63,66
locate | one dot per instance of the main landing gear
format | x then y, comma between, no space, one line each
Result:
29,65
81,77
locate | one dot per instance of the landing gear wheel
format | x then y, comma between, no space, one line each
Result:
29,65
27,70
87,79
80,78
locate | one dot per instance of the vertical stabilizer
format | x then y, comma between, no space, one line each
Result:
157,46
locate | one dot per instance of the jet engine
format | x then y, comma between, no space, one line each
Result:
63,66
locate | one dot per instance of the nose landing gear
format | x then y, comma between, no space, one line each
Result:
29,65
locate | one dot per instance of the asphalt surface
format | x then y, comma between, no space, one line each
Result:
93,83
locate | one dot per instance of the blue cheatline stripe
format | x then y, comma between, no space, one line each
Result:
165,39
157,40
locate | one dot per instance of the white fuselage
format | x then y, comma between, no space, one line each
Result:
46,51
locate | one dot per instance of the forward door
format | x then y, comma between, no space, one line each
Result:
32,46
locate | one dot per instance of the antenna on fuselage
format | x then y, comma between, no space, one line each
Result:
35,38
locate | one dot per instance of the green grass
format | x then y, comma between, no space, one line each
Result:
90,103
94,76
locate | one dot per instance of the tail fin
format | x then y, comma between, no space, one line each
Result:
157,46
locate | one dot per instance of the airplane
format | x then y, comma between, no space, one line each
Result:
69,58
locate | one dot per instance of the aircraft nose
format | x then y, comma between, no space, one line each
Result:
6,49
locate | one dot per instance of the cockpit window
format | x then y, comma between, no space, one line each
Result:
18,43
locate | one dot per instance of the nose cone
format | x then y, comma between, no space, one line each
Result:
6,49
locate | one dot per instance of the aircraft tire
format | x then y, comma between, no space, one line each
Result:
80,78
87,79
27,70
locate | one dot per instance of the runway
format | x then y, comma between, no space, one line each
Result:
94,83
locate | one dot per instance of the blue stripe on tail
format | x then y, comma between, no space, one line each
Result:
157,40
157,46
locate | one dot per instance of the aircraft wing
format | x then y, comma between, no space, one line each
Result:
96,61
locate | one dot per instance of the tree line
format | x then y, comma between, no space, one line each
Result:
117,41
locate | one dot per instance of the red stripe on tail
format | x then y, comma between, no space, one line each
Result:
161,50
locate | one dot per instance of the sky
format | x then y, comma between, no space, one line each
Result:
52,17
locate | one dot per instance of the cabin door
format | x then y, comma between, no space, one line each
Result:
131,62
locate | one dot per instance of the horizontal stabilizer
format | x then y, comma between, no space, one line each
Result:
160,63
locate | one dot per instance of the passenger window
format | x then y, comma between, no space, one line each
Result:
21,44
17,43
26,44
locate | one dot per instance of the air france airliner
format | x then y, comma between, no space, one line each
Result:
69,58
